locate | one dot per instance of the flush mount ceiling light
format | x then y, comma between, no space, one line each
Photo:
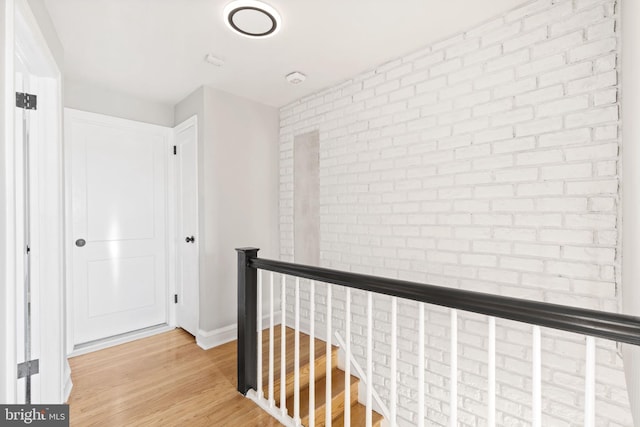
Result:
252,18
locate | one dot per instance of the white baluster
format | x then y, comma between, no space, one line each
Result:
312,354
296,357
590,384
347,363
491,389
421,366
328,372
271,342
259,298
369,379
394,361
453,386
536,381
283,347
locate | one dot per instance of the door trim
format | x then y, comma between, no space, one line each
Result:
173,216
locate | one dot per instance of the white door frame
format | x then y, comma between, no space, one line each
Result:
8,376
24,38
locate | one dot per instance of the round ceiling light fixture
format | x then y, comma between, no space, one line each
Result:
252,18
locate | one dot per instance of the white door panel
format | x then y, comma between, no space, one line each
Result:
118,184
186,140
120,285
120,187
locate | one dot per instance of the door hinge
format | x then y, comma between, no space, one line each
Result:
175,298
175,150
26,101
26,369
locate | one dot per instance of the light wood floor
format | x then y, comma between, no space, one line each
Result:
164,380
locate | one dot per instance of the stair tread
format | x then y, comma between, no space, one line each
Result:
319,347
358,411
358,417
319,359
337,391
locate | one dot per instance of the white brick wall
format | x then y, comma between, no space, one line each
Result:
486,161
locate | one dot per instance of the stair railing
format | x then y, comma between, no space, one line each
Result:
590,323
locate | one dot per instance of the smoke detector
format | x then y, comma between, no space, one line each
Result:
252,18
295,78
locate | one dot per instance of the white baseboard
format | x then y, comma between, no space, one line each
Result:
68,384
210,339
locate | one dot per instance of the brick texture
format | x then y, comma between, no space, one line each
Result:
487,161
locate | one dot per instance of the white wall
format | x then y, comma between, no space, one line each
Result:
238,193
486,161
48,30
85,96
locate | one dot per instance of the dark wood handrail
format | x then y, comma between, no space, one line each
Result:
600,324
613,326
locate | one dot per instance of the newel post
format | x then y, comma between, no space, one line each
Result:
247,321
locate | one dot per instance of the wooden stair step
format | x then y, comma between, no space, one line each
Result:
358,411
358,417
319,360
337,397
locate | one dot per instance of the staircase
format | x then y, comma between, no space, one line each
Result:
358,411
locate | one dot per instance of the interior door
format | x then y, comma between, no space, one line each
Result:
118,176
187,287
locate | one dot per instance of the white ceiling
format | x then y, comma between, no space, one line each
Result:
155,49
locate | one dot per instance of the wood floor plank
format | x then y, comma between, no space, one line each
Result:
164,380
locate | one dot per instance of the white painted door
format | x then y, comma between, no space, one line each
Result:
118,205
187,287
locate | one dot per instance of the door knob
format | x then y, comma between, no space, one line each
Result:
80,243
190,239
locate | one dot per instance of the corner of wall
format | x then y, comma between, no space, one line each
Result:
91,97
209,339
41,13
216,337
